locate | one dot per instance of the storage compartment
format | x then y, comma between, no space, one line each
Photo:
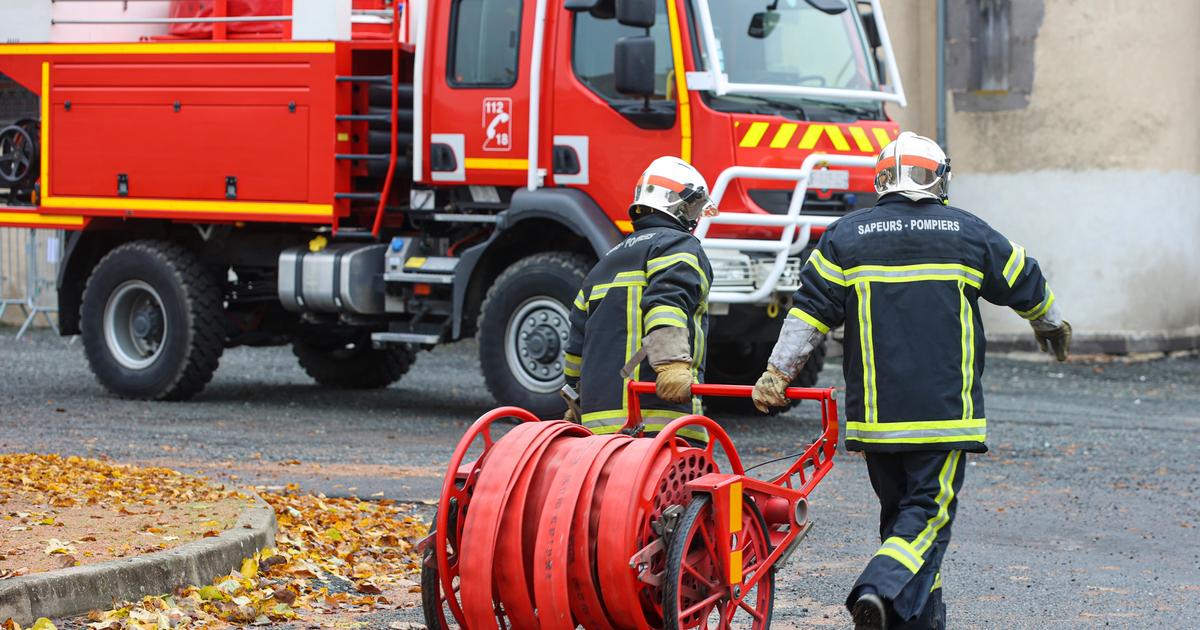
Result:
338,279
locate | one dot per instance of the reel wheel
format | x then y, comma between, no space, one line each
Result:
694,593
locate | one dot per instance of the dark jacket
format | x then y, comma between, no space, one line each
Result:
657,276
905,278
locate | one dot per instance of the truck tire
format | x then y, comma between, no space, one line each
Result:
152,321
736,363
523,328
353,364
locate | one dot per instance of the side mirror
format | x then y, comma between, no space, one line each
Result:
599,9
633,66
636,13
762,23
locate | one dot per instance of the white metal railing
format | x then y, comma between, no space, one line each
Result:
797,228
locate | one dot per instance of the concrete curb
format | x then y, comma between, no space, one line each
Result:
77,590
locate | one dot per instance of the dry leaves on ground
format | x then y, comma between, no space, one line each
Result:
57,512
332,555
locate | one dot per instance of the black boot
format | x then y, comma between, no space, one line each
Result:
869,613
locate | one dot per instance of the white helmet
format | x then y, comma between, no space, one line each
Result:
674,187
913,166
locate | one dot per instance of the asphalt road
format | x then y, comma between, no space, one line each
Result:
1083,514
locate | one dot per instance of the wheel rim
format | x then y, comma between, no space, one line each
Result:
703,601
135,324
534,341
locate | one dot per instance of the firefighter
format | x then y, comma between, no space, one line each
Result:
904,277
643,309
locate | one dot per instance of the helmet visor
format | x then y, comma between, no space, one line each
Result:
696,203
920,175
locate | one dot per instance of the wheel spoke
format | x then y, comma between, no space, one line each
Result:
703,604
746,607
705,579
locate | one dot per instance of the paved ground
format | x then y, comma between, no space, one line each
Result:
1084,513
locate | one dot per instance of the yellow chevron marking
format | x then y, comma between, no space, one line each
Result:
860,139
783,136
813,134
882,136
754,135
839,139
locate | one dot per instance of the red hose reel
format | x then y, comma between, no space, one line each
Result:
552,527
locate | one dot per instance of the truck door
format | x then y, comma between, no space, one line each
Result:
603,139
478,109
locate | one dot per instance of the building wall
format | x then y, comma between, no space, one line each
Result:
1097,175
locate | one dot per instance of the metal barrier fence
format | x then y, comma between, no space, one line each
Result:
28,271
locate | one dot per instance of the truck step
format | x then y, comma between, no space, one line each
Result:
367,117
366,78
364,157
382,338
381,95
357,196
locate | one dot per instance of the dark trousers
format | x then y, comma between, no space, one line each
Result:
918,496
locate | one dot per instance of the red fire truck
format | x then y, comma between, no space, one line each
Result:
363,180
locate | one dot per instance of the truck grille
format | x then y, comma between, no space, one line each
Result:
739,272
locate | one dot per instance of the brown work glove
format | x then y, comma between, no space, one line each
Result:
674,382
771,390
1056,341
570,415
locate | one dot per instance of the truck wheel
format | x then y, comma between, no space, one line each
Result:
523,328
152,322
737,363
353,364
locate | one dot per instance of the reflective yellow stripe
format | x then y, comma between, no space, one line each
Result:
937,582
655,420
966,318
826,269
685,109
48,220
1015,264
633,339
914,273
783,136
1040,309
699,343
867,349
170,48
655,265
45,126
920,432
912,556
623,279
625,226
945,495
900,551
917,425
882,137
496,164
860,139
809,319
754,134
572,364
580,301
665,316
175,206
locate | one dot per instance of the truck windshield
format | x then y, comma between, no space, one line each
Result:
790,43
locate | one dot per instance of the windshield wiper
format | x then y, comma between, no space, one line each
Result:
778,104
846,107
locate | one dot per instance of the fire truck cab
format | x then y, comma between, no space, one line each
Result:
365,179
